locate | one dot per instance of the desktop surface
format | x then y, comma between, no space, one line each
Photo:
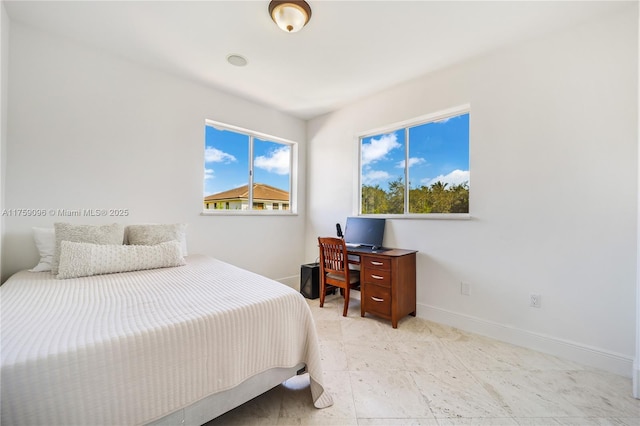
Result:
387,252
366,249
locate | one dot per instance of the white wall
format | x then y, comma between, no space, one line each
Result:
89,130
636,363
4,86
553,191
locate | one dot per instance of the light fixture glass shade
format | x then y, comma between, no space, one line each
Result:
290,16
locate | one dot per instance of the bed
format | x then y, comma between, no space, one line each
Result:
176,345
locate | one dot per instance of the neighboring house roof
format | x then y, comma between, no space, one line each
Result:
261,191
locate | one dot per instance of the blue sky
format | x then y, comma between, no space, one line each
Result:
438,151
227,161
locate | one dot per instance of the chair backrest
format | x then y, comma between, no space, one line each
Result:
333,256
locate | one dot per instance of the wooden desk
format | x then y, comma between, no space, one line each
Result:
387,283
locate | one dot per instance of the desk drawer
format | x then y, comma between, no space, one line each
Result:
377,299
377,276
375,263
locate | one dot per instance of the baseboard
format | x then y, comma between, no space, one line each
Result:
292,281
583,354
636,380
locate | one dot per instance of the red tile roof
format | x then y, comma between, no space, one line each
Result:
261,191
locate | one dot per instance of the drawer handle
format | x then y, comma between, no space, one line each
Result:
377,263
377,277
377,299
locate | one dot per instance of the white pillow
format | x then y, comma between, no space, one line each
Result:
45,239
150,234
96,234
86,259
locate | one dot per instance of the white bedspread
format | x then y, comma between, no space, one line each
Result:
129,348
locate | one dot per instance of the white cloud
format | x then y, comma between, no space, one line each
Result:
377,149
375,176
456,177
412,162
208,174
277,161
213,155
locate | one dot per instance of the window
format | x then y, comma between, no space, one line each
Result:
246,171
431,154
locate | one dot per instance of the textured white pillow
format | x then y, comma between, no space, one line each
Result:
95,234
45,239
86,259
150,234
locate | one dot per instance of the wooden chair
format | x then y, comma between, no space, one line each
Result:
334,269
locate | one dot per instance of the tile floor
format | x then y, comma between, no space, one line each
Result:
423,373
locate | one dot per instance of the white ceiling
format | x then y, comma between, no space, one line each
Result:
349,49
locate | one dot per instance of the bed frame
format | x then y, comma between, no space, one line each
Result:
215,405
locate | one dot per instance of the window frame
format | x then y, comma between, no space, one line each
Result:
405,126
293,173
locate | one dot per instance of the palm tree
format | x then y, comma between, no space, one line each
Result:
441,198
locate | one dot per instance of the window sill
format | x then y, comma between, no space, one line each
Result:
429,216
247,213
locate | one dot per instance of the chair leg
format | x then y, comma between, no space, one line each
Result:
322,291
346,302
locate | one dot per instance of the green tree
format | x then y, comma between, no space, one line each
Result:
374,200
419,200
437,198
396,196
441,198
460,198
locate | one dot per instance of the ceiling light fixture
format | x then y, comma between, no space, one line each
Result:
291,15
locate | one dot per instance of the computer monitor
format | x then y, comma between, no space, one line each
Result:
364,231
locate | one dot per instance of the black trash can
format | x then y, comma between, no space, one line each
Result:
310,280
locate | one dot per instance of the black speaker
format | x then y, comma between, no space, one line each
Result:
310,280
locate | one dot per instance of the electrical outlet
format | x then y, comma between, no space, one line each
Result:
465,289
535,301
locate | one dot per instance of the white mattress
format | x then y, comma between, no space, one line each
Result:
132,347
